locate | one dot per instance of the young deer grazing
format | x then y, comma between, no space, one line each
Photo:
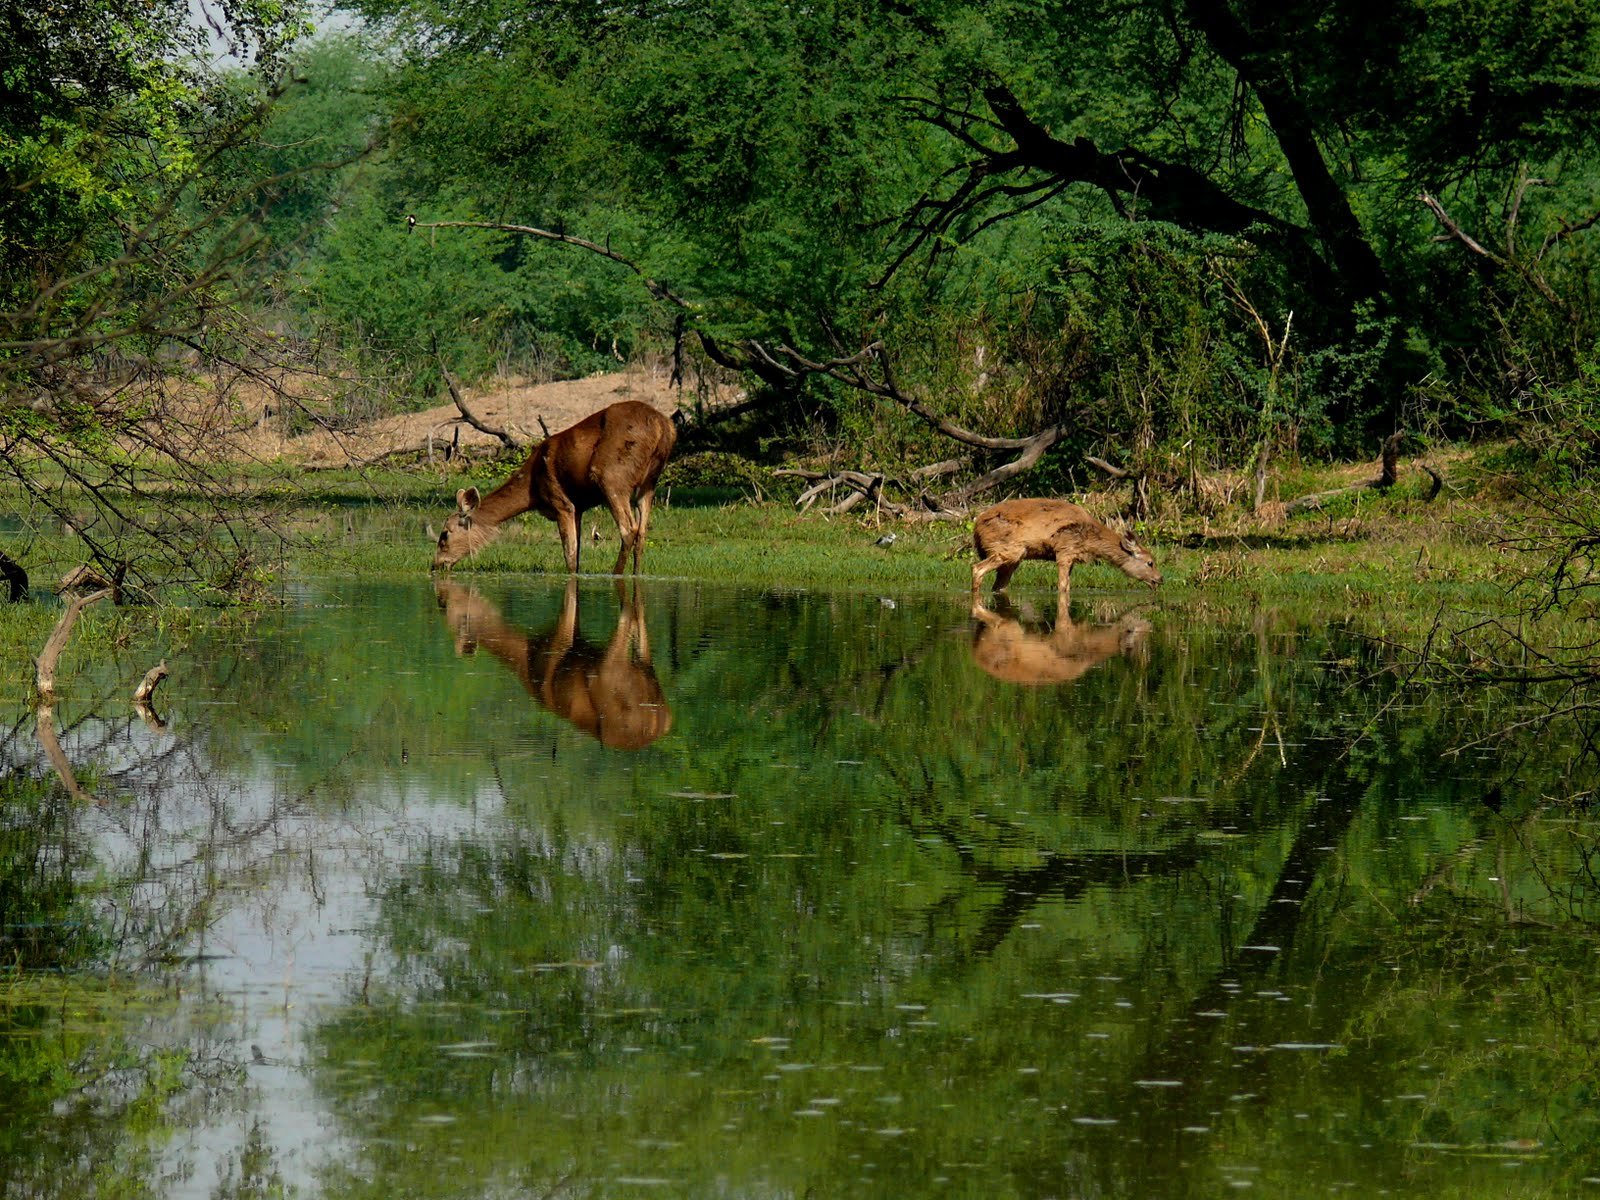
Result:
612,457
1015,530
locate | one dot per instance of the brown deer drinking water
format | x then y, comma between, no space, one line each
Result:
1015,530
611,694
612,457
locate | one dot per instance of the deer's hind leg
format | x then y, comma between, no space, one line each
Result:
995,562
621,506
647,497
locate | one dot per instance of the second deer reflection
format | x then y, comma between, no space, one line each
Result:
610,693
1005,649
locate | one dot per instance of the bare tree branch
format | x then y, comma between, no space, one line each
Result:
1032,450
866,369
657,289
1513,263
45,665
473,419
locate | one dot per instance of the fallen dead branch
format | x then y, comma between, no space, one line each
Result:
866,369
82,580
864,486
1387,475
472,418
452,448
1139,499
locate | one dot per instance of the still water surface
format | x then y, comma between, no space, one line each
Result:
508,889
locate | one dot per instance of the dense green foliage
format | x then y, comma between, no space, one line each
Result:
109,121
1192,236
123,231
1112,215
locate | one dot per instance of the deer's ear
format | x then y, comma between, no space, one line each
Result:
1129,546
467,501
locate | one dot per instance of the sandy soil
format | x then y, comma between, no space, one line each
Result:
512,405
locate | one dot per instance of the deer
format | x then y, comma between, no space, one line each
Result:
612,694
1014,530
1013,654
612,457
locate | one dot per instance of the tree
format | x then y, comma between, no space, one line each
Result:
936,176
118,257
1357,109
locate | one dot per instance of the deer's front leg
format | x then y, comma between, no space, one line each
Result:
1063,585
567,523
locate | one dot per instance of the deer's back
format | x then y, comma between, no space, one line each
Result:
1034,528
625,445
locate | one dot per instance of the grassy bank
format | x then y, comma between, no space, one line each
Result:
1400,556
1398,551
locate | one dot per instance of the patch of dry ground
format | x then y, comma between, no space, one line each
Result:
261,429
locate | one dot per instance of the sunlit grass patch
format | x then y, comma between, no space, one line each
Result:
1398,553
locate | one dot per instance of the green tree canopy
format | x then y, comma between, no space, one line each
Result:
931,173
120,242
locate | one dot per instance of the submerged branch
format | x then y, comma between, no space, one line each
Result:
45,665
147,685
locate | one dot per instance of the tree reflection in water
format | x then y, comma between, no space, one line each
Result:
1219,907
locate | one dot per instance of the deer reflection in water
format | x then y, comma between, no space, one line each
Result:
1007,650
610,692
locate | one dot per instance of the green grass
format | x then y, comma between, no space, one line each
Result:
1390,552
1396,558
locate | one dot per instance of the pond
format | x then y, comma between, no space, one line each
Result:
507,887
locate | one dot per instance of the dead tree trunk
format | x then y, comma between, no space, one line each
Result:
1387,474
147,685
45,665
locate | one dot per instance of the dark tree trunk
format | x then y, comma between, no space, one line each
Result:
1261,65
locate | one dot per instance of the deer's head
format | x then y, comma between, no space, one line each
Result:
1134,559
462,534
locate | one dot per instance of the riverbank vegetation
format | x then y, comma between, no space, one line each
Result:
959,248
1201,263
1198,265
